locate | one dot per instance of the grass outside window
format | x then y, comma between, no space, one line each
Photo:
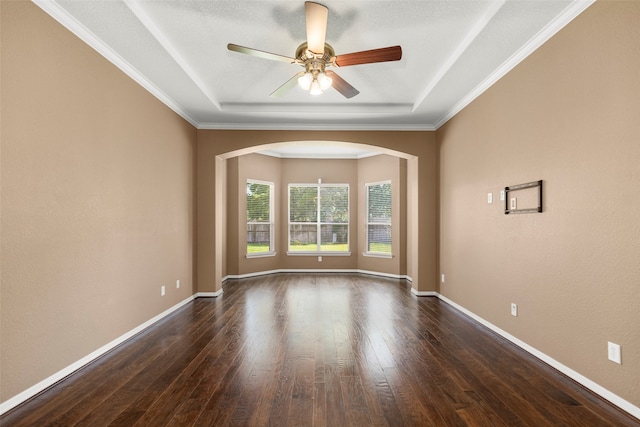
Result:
384,248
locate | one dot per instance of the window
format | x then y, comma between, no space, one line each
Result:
319,218
259,218
379,218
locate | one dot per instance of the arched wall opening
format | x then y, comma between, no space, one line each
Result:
217,156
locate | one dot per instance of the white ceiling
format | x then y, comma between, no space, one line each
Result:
319,150
452,51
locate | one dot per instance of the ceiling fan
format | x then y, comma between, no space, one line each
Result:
315,56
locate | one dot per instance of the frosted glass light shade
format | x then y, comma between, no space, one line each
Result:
305,81
325,81
315,88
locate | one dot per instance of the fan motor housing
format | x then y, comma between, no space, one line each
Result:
301,54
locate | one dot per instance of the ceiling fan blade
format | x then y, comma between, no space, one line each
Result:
289,84
316,16
341,85
392,53
260,53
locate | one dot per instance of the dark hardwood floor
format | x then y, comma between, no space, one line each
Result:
313,349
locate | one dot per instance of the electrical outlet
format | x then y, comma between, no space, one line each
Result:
162,290
177,284
502,195
614,352
319,259
514,203
489,197
514,310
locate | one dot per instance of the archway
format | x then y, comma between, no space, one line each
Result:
216,147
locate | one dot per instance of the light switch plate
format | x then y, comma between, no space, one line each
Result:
514,203
489,197
614,352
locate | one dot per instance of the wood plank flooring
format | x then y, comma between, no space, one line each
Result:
317,350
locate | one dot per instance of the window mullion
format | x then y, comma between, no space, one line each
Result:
318,226
325,222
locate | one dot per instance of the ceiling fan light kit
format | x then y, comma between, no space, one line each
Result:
314,80
316,56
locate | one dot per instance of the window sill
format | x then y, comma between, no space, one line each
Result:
377,255
319,253
260,255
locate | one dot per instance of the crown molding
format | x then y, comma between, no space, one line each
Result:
63,17
324,126
318,155
473,34
316,109
57,12
151,27
562,20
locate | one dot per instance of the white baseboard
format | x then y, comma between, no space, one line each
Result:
596,388
247,275
209,294
63,373
387,275
424,293
316,270
586,382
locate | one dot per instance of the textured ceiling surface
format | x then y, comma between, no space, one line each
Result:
452,51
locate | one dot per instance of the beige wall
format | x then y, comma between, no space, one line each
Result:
235,192
377,169
97,195
97,201
567,115
206,186
262,168
418,148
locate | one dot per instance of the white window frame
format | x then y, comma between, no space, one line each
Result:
367,223
271,251
318,224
